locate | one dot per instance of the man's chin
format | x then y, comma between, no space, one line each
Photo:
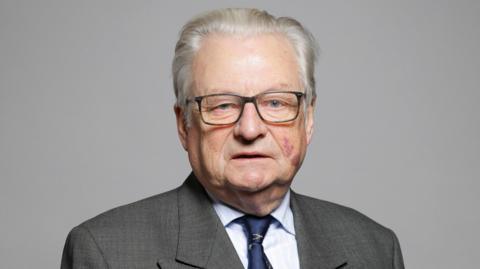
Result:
249,187
250,182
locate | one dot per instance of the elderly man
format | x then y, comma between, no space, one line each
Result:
244,82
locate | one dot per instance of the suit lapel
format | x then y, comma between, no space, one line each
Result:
202,239
318,247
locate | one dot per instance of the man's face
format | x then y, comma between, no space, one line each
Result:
250,164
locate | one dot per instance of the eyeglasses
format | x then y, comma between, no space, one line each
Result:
272,107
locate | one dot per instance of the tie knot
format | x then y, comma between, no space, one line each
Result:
256,227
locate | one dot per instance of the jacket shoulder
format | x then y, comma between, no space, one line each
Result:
344,220
154,209
141,230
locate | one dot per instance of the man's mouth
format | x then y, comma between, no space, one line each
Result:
248,155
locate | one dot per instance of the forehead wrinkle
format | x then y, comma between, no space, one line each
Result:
230,90
240,78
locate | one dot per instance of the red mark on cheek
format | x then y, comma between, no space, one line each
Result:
288,150
287,147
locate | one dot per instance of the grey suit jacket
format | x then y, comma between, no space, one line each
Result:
180,229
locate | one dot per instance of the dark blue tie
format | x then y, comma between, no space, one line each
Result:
256,228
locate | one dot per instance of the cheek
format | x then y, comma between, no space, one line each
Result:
289,150
290,153
295,160
213,143
287,147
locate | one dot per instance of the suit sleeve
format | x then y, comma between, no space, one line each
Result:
82,252
397,254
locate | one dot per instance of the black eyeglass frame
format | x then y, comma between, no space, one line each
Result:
244,100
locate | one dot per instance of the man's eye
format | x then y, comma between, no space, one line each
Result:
274,103
223,107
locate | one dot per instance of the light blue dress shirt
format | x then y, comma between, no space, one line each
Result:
279,242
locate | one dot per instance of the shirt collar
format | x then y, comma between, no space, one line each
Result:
282,214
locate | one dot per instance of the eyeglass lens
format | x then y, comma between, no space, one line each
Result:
227,109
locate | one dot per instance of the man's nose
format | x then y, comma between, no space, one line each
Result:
250,126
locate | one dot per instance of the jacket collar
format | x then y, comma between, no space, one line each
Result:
318,246
202,240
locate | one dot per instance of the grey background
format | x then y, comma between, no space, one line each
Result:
86,118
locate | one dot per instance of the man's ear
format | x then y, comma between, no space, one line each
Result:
181,126
309,122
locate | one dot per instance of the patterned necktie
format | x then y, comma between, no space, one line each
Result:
256,228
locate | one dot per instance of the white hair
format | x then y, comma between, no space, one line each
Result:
241,21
